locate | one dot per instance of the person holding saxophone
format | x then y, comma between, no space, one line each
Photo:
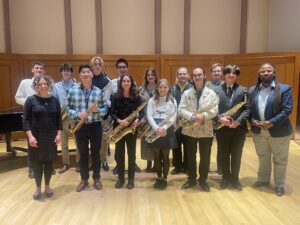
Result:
198,105
85,106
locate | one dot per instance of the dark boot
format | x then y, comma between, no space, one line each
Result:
149,167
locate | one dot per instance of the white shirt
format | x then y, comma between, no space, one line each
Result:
262,99
24,91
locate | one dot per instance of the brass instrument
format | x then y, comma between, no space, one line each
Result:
152,135
143,129
231,112
107,125
120,131
183,122
63,113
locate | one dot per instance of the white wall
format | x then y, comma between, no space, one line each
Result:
284,19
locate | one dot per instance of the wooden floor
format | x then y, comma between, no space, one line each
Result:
144,205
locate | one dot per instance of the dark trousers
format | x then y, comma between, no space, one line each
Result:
40,168
89,134
162,162
231,144
191,144
130,141
180,162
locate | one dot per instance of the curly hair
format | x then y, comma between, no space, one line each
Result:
132,90
47,78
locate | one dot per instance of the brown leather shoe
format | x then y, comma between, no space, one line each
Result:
97,184
82,185
64,168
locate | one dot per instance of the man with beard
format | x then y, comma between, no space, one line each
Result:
271,103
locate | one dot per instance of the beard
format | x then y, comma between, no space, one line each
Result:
267,80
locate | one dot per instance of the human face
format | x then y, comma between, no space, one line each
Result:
42,87
97,67
66,74
122,68
163,89
86,75
216,73
38,70
198,77
151,77
266,74
182,75
126,83
230,78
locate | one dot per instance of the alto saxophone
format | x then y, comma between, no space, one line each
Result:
152,135
120,131
143,129
231,112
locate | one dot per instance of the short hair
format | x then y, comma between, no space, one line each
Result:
216,65
82,66
231,68
66,67
95,58
182,67
37,79
121,60
38,63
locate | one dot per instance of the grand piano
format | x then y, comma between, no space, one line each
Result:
10,121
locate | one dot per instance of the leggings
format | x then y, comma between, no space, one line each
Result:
41,167
162,162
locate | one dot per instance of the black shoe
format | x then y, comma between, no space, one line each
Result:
105,166
224,184
130,184
188,184
149,167
204,186
37,195
259,184
175,171
53,171
137,169
219,171
31,173
279,191
163,184
237,186
115,170
157,183
119,184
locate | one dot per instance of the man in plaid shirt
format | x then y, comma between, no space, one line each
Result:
86,102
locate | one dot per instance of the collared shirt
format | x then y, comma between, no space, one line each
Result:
262,99
24,91
79,100
61,90
114,85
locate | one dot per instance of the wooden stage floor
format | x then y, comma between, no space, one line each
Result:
143,205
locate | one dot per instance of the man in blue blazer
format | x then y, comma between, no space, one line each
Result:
270,104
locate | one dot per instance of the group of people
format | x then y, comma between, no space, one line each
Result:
183,118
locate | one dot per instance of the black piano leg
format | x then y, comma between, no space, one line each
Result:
9,148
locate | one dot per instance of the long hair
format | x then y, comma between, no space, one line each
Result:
152,70
169,95
277,103
37,79
132,90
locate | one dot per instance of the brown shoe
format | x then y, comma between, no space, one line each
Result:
97,184
82,185
64,168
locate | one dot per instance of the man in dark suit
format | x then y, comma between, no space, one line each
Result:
231,136
271,103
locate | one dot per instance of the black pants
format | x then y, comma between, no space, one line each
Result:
231,144
162,162
204,147
130,141
180,162
40,168
89,134
219,154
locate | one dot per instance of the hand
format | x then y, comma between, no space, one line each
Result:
267,124
257,123
135,123
225,120
123,122
234,124
199,118
83,115
93,108
57,139
161,131
142,121
33,142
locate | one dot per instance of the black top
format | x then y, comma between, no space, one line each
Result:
177,92
100,81
123,107
42,117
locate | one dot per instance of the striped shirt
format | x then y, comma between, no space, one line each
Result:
79,100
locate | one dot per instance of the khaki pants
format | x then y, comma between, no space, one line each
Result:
268,147
104,147
65,141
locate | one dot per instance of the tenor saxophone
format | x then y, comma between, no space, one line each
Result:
120,131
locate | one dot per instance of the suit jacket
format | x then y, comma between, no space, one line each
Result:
208,105
281,124
241,116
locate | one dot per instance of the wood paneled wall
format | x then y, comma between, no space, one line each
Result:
14,68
